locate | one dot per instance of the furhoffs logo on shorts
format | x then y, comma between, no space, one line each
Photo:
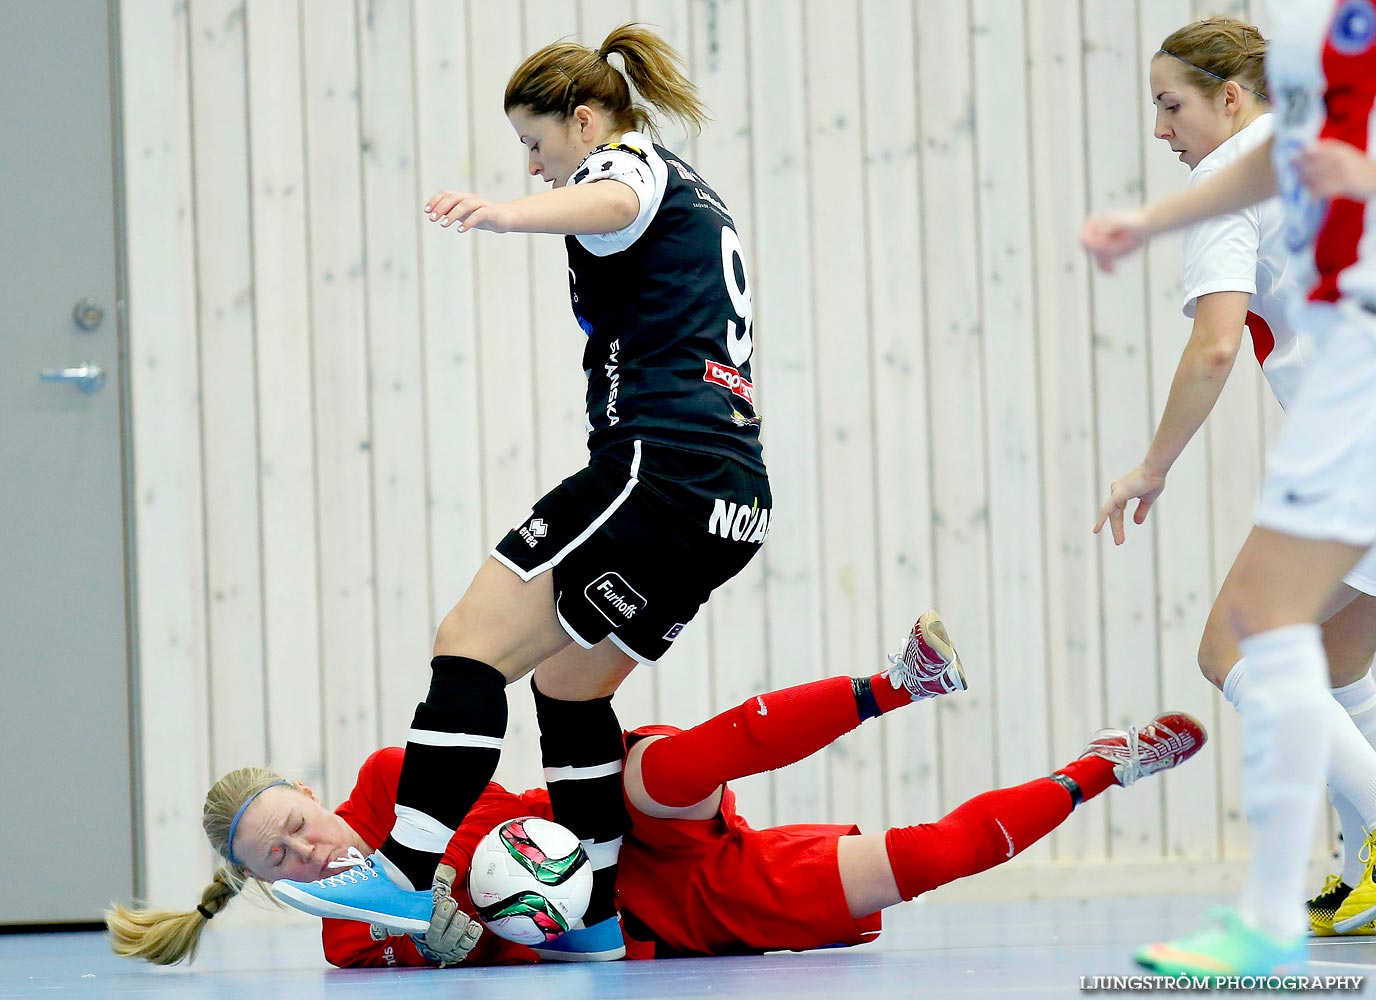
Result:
614,598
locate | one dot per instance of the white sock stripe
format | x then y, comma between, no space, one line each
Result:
431,738
602,854
420,831
553,774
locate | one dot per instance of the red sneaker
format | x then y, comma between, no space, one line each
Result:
1167,741
929,665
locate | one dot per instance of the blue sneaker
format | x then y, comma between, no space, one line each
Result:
364,892
602,942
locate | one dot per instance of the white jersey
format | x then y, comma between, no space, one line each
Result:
1245,251
1321,70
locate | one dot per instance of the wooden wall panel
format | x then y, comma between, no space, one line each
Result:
174,712
956,386
1178,527
895,254
285,390
458,539
1065,345
1122,407
229,425
781,167
396,370
1016,673
845,432
343,425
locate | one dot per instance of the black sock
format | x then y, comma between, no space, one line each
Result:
585,734
1070,785
866,705
467,699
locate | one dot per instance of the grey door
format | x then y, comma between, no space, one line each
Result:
65,738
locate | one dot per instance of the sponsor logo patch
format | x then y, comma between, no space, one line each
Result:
613,372
534,531
673,633
730,378
739,522
683,171
614,598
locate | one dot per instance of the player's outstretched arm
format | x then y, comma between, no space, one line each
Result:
1109,236
581,210
1200,376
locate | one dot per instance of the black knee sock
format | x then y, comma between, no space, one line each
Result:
582,747
451,754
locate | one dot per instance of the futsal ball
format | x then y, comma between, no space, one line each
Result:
530,880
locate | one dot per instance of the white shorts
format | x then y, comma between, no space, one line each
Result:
1321,473
1363,575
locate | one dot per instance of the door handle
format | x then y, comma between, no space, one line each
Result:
88,377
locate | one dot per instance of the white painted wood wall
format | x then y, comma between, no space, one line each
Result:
338,409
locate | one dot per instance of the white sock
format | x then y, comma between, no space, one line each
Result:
1236,683
1358,699
1352,769
1280,689
1354,834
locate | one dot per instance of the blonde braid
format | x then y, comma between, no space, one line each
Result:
166,937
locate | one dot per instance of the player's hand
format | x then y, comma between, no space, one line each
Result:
1140,483
1330,168
468,211
452,933
1110,235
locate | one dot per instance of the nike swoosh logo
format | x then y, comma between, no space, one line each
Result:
1011,849
1291,497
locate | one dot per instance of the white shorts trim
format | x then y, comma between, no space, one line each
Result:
573,633
601,519
1362,577
619,644
510,565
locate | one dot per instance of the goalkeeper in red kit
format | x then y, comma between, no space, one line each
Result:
695,878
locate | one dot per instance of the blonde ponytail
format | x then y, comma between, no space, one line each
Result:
166,937
560,77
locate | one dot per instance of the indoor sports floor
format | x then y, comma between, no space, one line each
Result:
1028,949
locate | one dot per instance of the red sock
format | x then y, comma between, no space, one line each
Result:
886,696
988,830
1092,774
768,731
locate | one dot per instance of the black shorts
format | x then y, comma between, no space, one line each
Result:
638,540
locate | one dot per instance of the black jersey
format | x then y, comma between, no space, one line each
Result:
666,306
